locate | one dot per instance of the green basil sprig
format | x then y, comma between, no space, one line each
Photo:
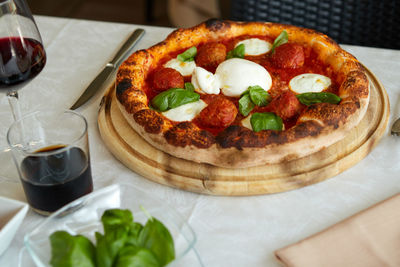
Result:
282,38
68,250
259,96
266,121
238,52
246,105
189,86
124,243
163,248
253,96
136,256
321,97
173,98
114,218
109,245
188,55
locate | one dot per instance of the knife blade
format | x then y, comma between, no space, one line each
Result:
109,68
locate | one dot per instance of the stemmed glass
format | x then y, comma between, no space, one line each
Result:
22,55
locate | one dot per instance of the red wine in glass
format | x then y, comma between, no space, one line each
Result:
52,181
22,55
21,60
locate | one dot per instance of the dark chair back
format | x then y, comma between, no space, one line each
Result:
359,22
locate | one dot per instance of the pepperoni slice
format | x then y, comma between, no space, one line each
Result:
220,112
210,55
167,78
288,55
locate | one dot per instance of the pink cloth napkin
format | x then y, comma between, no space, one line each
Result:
369,238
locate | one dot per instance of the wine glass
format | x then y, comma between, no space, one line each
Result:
22,54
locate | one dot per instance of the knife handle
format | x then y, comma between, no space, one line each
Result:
128,45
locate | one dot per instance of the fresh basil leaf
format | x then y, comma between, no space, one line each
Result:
245,92
133,234
188,55
156,237
69,251
189,87
238,52
229,55
282,38
253,96
321,97
131,256
160,101
115,217
245,105
173,98
109,245
266,121
180,98
259,96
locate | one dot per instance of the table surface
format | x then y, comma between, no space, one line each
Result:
231,231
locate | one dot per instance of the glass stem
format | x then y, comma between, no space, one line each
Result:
13,99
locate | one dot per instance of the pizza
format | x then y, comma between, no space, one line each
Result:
242,94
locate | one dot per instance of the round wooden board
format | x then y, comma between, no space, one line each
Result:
138,155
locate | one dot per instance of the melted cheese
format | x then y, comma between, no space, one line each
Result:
236,75
186,112
184,68
205,82
255,46
246,122
309,82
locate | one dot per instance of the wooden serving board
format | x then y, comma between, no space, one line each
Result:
144,159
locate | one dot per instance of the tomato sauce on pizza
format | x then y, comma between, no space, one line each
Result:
287,61
240,94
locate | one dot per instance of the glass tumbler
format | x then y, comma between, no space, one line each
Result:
51,152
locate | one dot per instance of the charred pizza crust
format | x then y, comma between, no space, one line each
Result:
319,125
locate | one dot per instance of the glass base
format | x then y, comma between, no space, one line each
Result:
66,212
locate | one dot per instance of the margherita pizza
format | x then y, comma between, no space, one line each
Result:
242,94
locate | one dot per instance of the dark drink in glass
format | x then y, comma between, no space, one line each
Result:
51,152
52,181
21,59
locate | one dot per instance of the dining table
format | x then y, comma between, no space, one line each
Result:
230,230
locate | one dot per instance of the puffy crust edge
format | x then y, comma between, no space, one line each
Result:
318,126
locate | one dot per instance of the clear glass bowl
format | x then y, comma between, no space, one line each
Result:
83,217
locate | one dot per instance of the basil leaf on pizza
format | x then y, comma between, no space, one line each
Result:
188,55
238,52
282,38
173,98
259,96
253,96
320,97
245,104
266,121
189,86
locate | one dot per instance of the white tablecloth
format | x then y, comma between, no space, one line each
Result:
231,231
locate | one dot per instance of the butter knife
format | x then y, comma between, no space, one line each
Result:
108,69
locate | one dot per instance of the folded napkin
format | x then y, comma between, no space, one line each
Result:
369,238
